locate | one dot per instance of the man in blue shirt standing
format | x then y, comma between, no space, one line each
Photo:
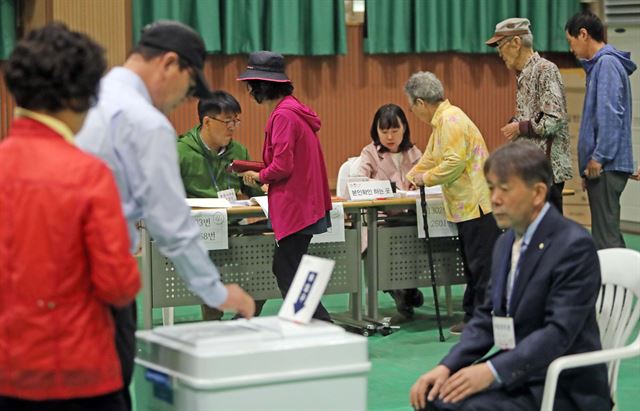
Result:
129,130
605,158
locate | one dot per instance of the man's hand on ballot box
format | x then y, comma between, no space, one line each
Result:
239,301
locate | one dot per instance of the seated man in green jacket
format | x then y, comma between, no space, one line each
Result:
206,151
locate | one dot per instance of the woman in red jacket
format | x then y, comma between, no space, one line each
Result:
299,198
64,247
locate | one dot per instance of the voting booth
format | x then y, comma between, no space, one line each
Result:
266,363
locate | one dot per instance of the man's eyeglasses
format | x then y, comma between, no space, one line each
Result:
234,122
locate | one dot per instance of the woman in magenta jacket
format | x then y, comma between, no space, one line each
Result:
299,197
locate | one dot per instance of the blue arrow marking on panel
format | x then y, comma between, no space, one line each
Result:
304,293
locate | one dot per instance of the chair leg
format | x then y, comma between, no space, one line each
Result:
448,300
167,316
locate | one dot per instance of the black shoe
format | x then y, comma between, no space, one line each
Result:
406,312
400,298
414,297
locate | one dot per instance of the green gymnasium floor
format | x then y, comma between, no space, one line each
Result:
398,359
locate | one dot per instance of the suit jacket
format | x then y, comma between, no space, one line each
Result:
553,309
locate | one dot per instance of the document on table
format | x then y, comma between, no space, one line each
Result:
241,203
429,191
208,203
263,203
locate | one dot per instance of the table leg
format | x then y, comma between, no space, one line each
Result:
355,299
371,263
167,316
146,270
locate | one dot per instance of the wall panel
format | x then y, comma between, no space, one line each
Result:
344,90
6,105
347,90
106,21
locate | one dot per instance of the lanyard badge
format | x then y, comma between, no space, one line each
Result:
504,336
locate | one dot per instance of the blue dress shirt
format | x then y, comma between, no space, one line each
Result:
138,143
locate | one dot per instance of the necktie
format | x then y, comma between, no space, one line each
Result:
517,250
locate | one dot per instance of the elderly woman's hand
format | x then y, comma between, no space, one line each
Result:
251,178
417,179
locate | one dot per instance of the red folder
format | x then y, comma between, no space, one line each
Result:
240,166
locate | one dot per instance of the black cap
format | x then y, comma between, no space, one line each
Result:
174,36
265,65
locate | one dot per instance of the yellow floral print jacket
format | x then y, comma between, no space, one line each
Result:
454,158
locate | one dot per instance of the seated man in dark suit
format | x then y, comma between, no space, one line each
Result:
545,279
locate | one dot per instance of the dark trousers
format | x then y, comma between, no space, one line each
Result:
477,238
107,402
126,320
584,394
491,400
555,195
604,202
286,259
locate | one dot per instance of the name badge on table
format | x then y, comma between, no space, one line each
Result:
229,194
504,335
370,190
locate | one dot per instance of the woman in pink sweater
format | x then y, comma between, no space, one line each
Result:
390,156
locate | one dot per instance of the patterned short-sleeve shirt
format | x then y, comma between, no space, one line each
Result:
541,109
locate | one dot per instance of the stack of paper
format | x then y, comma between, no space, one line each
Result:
208,203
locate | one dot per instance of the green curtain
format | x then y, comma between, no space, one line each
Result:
295,27
414,26
7,28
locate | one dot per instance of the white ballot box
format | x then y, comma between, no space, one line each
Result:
265,363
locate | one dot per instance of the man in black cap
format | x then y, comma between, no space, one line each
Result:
128,129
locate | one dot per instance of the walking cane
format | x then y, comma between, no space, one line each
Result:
423,205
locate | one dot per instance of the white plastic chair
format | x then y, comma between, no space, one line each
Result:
345,171
618,311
